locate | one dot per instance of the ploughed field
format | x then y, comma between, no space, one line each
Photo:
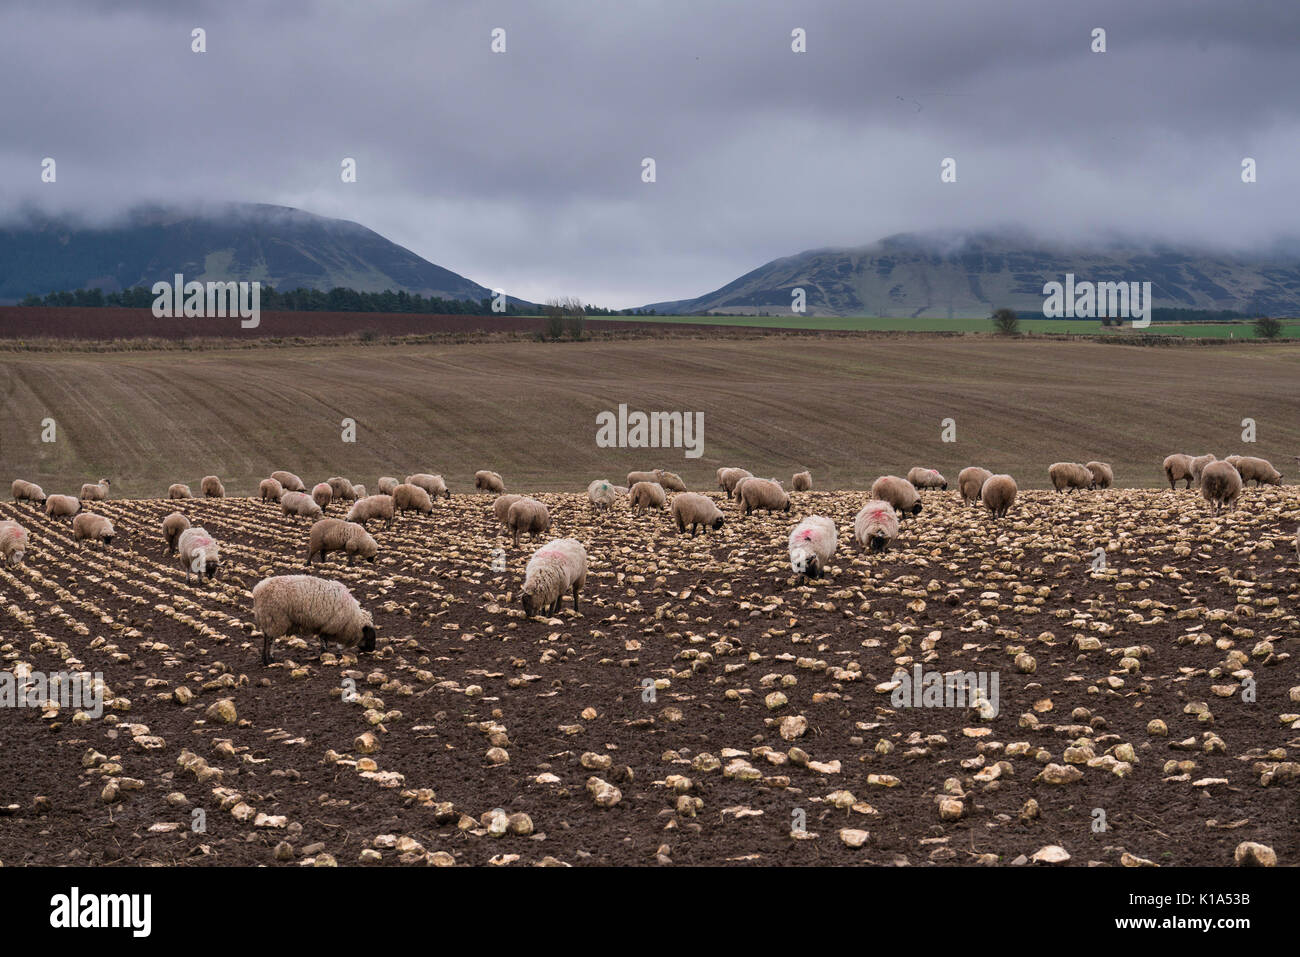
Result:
849,409
496,739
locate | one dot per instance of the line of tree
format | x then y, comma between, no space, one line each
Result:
337,299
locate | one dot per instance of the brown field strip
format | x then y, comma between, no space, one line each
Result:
848,409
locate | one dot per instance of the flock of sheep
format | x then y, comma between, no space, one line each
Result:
308,606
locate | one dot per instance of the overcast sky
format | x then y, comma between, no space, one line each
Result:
523,169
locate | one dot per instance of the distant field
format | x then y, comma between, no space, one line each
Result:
847,409
902,324
28,323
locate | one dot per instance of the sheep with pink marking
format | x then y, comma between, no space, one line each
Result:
875,526
558,567
812,543
13,542
198,553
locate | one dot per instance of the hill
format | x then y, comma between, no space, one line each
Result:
276,245
942,275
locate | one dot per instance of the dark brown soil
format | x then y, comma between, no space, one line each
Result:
724,622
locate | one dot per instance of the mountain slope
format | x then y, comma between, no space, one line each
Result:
277,245
941,275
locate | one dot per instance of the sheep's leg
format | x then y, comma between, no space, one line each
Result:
576,589
266,649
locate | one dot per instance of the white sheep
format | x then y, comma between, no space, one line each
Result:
601,494
304,605
556,568
875,526
13,542
95,493
812,543
97,528
198,553
693,510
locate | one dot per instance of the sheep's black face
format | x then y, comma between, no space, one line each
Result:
211,569
529,605
813,568
367,638
878,543
944,486
916,509
717,522
108,539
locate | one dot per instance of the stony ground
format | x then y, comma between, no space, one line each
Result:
704,708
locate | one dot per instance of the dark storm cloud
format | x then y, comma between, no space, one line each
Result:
522,170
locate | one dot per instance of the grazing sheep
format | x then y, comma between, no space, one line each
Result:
926,478
601,494
212,487
1103,476
1178,467
671,481
322,495
875,526
61,506
97,528
557,567
695,510
412,498
97,492
299,504
433,484
728,477
370,508
305,605
501,507
645,495
341,488
198,553
899,493
527,515
1233,460
28,492
386,484
621,490
1070,475
288,481
801,482
179,490
999,494
13,542
360,491
1220,485
270,490
1198,466
970,480
756,493
485,481
634,477
172,526
334,535
812,543
1260,470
